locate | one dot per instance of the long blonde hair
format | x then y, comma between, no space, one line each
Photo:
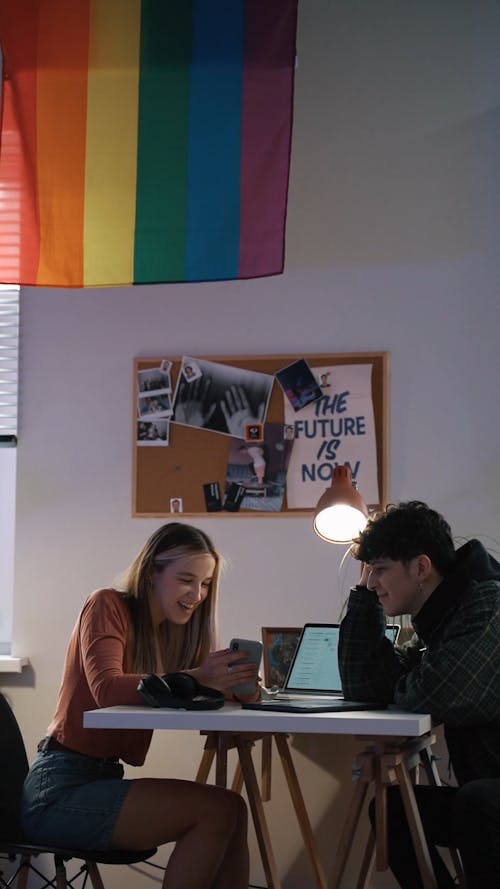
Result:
168,647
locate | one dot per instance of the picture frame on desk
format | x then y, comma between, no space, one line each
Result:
279,644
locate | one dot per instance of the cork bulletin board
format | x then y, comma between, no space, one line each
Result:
176,470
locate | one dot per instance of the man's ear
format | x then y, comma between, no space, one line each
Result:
424,567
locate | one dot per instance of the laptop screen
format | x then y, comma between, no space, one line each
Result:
315,665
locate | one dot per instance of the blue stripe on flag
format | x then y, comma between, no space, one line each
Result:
214,153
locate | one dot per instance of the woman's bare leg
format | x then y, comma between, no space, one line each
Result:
207,823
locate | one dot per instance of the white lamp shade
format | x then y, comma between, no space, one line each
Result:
341,513
339,523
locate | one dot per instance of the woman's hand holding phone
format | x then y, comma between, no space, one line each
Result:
231,669
248,655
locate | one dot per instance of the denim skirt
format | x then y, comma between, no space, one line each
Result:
72,800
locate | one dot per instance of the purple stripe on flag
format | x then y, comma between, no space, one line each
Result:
267,107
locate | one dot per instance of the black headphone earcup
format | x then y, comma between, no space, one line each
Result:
155,691
193,695
183,685
148,694
178,691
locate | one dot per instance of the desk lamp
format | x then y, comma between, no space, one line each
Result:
341,513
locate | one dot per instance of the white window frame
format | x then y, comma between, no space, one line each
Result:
9,388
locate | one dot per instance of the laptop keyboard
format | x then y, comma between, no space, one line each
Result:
314,696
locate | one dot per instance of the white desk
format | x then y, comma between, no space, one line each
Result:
393,737
231,718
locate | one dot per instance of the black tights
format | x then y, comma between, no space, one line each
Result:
467,818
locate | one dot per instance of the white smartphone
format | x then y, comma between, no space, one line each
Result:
253,654
391,631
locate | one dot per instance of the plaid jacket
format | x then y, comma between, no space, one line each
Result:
451,666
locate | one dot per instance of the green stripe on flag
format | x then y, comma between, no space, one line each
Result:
162,150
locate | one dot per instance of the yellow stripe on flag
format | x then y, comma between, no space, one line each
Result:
110,173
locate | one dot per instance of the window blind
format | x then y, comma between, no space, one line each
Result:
9,364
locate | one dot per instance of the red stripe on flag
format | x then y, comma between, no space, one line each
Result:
19,234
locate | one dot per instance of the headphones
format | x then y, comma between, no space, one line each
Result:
180,691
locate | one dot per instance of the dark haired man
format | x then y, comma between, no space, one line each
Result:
450,668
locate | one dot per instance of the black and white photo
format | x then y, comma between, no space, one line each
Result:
222,398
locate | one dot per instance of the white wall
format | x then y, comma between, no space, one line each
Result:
8,463
392,245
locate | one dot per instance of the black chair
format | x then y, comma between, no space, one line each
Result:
14,847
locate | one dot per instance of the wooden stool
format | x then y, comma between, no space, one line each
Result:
216,747
423,758
383,763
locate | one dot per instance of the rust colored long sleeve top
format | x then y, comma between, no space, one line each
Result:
95,675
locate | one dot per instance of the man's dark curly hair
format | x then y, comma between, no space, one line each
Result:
406,530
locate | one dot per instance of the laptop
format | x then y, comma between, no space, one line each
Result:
313,680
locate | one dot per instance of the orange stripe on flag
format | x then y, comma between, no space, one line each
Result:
61,124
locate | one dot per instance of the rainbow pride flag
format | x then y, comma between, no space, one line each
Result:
144,141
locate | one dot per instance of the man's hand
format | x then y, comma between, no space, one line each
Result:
365,573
